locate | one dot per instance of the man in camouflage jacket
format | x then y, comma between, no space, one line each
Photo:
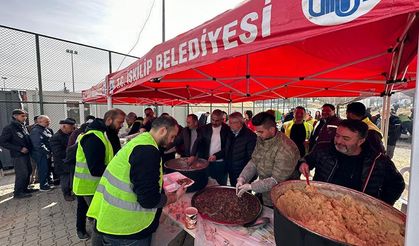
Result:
274,159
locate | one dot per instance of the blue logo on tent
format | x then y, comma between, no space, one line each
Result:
342,8
334,12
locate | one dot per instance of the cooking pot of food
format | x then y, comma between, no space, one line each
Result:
328,214
221,205
197,171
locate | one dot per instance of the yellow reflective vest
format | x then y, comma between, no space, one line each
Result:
84,184
115,205
372,126
288,126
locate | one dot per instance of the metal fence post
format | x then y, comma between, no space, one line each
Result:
108,96
38,66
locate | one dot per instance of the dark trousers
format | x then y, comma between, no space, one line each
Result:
97,238
42,165
218,171
23,170
66,183
233,177
82,208
112,241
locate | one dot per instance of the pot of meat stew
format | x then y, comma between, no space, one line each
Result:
197,171
328,214
221,205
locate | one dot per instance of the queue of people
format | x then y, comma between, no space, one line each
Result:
120,187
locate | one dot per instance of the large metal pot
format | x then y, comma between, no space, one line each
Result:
289,231
197,171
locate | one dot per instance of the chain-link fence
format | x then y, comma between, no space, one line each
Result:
45,75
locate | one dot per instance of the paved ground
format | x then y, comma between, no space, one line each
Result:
43,219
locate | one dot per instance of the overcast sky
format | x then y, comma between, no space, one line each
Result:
110,24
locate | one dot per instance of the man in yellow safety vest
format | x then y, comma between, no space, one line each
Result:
374,141
298,130
129,198
95,150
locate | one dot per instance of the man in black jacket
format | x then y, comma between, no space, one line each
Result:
186,139
325,129
15,137
210,146
41,152
241,142
349,163
59,143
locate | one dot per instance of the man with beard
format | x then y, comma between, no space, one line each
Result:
95,150
273,160
347,163
148,119
129,198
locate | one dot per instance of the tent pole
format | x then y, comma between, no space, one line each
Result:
283,106
229,108
385,118
163,33
412,237
247,75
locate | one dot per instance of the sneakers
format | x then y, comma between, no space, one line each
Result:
83,235
46,188
22,195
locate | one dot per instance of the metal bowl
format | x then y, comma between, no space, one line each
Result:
247,197
181,164
289,231
197,171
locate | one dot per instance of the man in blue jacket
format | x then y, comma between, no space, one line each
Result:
41,152
15,138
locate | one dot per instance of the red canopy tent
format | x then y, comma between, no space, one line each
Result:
281,49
